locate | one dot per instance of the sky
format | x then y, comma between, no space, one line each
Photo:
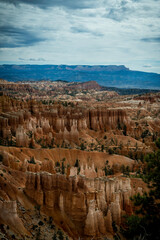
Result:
92,32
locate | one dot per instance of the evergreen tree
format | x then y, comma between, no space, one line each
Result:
124,130
123,169
158,142
102,148
63,168
76,163
144,224
55,236
82,147
60,234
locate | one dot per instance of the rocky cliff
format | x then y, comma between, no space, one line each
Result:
87,205
22,120
83,205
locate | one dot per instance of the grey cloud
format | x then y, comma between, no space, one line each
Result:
73,4
151,39
82,29
79,30
124,9
147,66
11,37
32,59
118,14
119,11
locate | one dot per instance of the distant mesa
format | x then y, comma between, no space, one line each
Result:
105,75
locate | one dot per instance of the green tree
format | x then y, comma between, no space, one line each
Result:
63,168
76,163
127,171
38,234
145,222
123,169
57,164
55,236
1,157
32,160
60,234
119,124
82,146
158,142
124,130
102,148
110,151
106,171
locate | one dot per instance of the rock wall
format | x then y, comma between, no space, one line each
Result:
9,216
62,123
91,204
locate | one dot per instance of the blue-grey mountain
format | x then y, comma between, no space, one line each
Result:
111,75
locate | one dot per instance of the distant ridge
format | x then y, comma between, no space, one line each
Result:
105,75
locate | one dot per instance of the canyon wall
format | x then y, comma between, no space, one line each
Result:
90,205
19,119
9,216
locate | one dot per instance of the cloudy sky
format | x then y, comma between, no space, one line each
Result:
81,32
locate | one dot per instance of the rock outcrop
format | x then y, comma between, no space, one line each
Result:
90,202
61,123
9,216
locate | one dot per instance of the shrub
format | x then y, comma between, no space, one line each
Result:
57,164
63,168
32,160
40,223
82,146
110,151
76,163
60,234
1,158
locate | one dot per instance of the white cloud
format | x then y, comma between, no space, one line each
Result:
93,32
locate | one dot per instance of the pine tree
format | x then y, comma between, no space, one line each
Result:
76,163
145,222
55,236
63,168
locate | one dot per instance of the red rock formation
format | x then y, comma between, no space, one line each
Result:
64,123
84,201
86,85
21,137
9,216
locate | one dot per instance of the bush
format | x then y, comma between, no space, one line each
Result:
145,222
40,223
55,236
1,158
110,151
76,163
57,164
82,147
34,227
124,130
32,160
63,168
50,220
60,234
158,142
